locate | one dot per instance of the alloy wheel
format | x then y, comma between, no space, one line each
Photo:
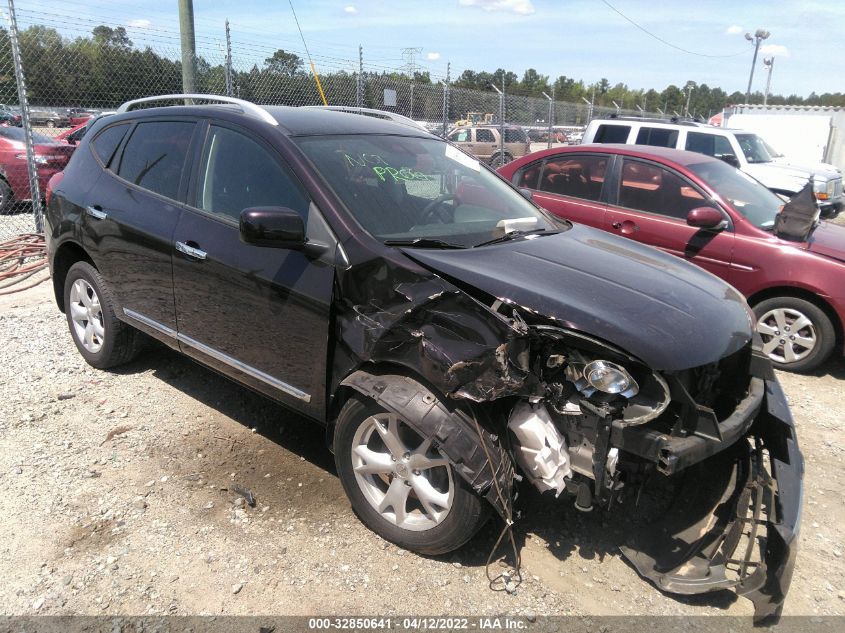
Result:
788,335
87,316
402,476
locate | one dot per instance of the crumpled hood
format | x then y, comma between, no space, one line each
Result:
668,313
828,239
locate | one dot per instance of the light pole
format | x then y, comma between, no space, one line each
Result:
590,111
768,62
551,113
689,88
759,36
501,120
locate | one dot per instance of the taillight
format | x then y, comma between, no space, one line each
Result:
54,181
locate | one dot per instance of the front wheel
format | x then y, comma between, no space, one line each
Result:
797,335
400,485
6,198
496,160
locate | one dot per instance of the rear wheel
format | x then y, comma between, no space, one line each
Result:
496,160
797,335
400,485
102,339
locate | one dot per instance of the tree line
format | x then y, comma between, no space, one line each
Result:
105,69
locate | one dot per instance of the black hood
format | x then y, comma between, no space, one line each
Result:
668,313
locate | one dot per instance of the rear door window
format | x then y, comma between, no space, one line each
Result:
657,137
612,134
514,135
106,142
459,136
154,156
580,176
484,136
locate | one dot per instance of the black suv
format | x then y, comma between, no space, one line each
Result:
447,332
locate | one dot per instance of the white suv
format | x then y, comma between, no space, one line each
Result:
744,150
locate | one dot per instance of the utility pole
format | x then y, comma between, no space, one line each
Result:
689,88
189,52
768,62
359,85
446,100
759,36
590,110
551,113
229,90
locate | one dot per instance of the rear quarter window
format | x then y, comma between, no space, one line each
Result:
612,134
106,142
514,135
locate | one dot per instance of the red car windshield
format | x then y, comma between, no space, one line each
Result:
751,199
17,134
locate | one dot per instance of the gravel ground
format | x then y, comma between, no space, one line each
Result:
117,499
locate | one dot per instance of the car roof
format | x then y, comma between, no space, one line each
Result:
662,154
292,121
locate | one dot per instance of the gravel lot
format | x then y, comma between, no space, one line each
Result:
117,500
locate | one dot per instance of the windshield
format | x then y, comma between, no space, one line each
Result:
772,151
403,189
754,148
18,134
751,199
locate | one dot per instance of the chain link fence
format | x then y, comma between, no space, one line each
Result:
74,66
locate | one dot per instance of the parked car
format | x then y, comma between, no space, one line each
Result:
43,117
50,158
9,118
484,142
444,329
744,150
76,116
73,135
656,196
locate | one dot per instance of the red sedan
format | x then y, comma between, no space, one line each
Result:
51,156
703,210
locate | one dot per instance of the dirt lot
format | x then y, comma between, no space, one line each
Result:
116,499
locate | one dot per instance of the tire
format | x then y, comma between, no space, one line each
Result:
7,203
496,160
102,339
789,349
447,524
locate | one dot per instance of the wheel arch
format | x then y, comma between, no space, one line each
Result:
66,255
806,295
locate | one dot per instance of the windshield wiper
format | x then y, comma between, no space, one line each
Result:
510,235
423,242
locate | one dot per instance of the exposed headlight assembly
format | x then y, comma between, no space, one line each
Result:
608,377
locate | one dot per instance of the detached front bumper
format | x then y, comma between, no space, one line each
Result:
740,530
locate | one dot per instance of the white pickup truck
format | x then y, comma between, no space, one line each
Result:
745,150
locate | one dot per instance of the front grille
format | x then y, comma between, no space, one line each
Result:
837,187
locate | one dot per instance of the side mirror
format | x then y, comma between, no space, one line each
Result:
730,159
276,227
526,193
706,218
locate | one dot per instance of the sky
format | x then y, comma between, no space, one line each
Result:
584,39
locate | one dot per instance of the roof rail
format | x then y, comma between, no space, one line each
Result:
381,114
246,107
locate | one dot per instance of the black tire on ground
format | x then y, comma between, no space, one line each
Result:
120,342
6,198
467,514
496,160
821,326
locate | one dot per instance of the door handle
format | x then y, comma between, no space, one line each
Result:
190,251
96,212
616,225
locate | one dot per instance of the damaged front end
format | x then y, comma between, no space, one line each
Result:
577,415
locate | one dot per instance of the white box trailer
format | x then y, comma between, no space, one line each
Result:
803,134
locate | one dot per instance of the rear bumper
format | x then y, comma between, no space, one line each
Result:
740,531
